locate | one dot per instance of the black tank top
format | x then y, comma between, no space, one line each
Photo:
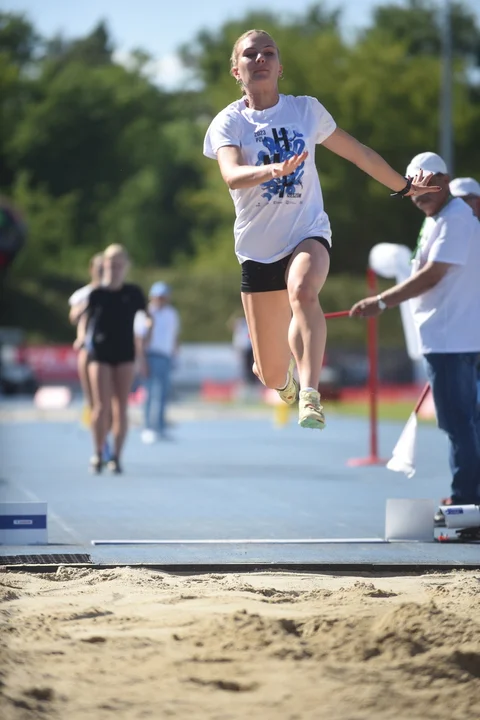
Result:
110,317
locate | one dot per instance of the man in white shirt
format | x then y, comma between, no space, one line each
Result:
160,339
445,290
469,190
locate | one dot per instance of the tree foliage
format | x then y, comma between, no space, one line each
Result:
95,152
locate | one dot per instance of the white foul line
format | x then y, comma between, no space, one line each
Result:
243,541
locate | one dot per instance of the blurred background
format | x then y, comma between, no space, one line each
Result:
104,106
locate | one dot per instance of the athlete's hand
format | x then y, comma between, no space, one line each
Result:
288,166
420,185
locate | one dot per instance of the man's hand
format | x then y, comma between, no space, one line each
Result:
368,307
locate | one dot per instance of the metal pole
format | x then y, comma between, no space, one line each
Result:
446,123
372,342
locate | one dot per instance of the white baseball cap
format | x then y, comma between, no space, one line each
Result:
428,162
461,187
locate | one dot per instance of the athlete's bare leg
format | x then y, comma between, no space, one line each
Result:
306,275
101,383
82,368
268,317
122,376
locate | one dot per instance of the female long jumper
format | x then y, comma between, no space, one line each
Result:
265,146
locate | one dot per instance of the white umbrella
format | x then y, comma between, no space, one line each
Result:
403,456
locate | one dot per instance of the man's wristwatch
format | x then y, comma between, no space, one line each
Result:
381,303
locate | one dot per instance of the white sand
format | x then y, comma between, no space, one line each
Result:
131,643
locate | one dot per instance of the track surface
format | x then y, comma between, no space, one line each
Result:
224,478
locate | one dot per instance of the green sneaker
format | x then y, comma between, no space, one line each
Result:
290,392
310,412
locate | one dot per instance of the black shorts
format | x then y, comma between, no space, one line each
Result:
266,277
111,356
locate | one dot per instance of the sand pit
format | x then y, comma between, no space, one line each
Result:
134,643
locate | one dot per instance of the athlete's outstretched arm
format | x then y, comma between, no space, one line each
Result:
343,144
237,175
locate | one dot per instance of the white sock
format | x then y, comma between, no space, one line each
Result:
309,389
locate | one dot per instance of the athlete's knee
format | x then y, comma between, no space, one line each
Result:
99,409
120,414
304,292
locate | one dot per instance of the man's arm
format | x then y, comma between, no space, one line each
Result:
423,280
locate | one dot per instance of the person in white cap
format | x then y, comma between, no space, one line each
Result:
446,290
161,345
469,190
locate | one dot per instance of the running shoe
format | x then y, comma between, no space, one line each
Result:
113,466
310,411
289,394
96,464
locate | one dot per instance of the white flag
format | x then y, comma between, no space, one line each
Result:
403,456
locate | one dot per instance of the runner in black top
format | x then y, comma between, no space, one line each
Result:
110,314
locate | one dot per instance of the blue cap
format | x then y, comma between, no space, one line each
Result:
159,289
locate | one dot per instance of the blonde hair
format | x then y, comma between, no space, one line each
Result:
238,42
114,250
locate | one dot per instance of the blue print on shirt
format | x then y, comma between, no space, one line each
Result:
280,146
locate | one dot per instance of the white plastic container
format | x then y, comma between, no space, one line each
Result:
410,520
23,523
461,516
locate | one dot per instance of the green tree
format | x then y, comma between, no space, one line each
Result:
19,45
51,225
417,24
18,39
93,50
93,151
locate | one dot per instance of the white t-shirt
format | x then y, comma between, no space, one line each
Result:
273,218
165,329
80,295
448,315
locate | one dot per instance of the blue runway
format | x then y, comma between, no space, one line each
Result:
224,479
